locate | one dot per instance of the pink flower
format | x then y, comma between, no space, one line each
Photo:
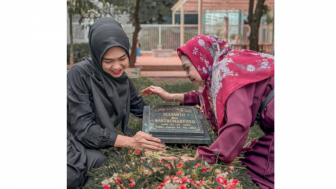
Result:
198,164
156,186
182,187
167,181
162,184
118,180
179,173
106,186
161,160
235,181
204,169
132,180
179,165
176,180
221,180
229,169
201,182
172,176
184,180
192,181
219,187
131,184
167,165
151,164
137,151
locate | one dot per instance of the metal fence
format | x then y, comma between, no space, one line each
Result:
168,36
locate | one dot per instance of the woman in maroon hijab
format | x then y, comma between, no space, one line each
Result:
232,87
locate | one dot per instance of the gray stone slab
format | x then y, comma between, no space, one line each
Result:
175,124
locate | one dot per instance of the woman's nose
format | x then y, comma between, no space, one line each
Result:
116,66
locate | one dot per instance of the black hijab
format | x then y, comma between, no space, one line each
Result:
110,95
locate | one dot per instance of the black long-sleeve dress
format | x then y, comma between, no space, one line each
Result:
85,134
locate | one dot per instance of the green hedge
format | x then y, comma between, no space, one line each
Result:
80,50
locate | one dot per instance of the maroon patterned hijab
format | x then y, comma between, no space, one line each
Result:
223,71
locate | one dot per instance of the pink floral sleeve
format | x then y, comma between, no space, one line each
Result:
191,98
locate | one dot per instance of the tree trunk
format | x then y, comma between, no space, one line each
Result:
71,60
254,22
137,28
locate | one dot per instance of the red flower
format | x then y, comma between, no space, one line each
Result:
157,162
201,182
204,169
161,160
184,180
130,151
179,165
151,164
132,180
172,176
118,180
209,169
198,164
219,187
192,181
221,180
229,169
137,151
182,187
235,181
179,173
163,152
156,186
162,184
131,184
106,186
167,165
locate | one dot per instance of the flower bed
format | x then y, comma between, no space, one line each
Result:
128,168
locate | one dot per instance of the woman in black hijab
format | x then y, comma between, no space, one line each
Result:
100,97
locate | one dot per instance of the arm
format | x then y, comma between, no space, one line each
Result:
234,133
81,118
190,98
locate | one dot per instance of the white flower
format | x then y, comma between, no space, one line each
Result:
195,50
250,68
201,42
199,68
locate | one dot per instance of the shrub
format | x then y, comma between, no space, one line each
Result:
80,51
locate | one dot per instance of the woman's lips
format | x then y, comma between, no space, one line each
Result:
116,73
192,80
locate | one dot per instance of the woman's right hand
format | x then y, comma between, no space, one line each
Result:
164,95
143,140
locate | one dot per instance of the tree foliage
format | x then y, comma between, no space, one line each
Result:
83,9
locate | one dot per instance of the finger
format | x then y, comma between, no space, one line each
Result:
151,138
169,158
150,147
147,142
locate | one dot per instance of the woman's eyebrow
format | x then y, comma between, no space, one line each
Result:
117,58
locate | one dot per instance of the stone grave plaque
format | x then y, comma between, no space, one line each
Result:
175,124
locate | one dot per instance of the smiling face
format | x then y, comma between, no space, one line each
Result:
115,61
191,71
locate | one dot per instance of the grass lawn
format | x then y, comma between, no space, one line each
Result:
128,168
